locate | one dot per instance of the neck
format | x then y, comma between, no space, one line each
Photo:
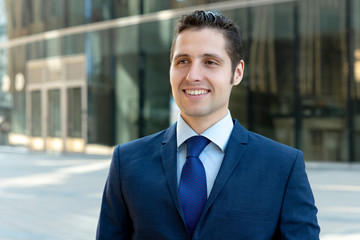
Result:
201,124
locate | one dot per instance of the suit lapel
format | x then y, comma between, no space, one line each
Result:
233,153
168,158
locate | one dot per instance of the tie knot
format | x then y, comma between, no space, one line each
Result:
195,145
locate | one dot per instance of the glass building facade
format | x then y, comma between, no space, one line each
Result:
76,74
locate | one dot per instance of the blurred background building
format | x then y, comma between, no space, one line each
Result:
84,75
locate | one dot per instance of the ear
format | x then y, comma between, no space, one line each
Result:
239,73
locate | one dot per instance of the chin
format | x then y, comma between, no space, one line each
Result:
198,113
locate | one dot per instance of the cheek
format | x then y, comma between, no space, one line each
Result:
172,78
224,91
175,78
174,85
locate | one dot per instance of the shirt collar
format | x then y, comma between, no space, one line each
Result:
219,133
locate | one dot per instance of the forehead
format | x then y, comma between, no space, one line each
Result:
199,40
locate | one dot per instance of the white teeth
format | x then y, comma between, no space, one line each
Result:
196,92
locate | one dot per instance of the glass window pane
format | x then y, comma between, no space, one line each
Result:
126,86
36,113
323,80
100,80
356,22
54,116
74,112
154,85
264,100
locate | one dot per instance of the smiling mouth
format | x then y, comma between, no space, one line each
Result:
196,92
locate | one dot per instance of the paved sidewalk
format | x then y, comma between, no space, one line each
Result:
57,197
337,194
50,197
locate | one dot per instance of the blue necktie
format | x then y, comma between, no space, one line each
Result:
192,188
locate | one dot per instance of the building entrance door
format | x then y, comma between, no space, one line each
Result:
57,105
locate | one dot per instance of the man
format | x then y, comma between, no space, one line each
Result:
238,185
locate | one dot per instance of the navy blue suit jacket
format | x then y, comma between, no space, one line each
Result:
261,192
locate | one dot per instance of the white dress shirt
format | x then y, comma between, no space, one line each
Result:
213,154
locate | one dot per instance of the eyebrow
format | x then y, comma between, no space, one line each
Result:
212,55
205,55
180,56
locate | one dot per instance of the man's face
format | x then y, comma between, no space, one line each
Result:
200,75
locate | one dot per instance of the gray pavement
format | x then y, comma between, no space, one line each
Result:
57,197
50,197
336,189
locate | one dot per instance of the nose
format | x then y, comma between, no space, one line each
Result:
195,72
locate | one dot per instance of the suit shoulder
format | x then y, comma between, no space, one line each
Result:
138,148
270,154
258,141
271,147
146,146
144,142
265,140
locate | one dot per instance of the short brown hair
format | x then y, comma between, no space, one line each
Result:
215,20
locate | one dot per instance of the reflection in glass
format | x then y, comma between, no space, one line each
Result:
264,101
100,92
54,120
154,78
74,112
323,80
126,86
36,113
356,22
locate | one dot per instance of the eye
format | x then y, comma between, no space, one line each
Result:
211,63
182,62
